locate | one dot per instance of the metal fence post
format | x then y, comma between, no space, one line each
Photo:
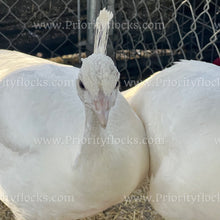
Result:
79,27
111,7
110,49
93,8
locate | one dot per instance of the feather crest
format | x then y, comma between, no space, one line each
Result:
102,31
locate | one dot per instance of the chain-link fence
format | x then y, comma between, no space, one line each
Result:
49,28
147,35
157,33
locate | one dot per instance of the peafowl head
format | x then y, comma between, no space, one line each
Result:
98,81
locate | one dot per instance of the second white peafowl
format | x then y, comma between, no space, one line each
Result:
70,144
179,107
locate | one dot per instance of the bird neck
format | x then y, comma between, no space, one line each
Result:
93,133
92,125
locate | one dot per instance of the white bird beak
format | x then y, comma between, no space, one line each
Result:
102,107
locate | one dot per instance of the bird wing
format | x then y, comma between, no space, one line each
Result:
179,107
39,105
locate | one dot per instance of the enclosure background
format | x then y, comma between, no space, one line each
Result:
166,31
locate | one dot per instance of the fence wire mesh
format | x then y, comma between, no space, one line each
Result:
147,35
154,34
45,26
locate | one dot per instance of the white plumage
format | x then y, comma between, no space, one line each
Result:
102,31
179,107
62,157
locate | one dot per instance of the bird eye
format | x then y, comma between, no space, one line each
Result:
81,85
117,84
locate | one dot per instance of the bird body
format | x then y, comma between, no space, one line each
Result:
70,144
179,107
56,160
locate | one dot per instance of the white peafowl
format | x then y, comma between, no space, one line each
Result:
70,144
180,107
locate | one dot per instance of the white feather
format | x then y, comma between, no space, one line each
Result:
180,107
41,155
102,31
